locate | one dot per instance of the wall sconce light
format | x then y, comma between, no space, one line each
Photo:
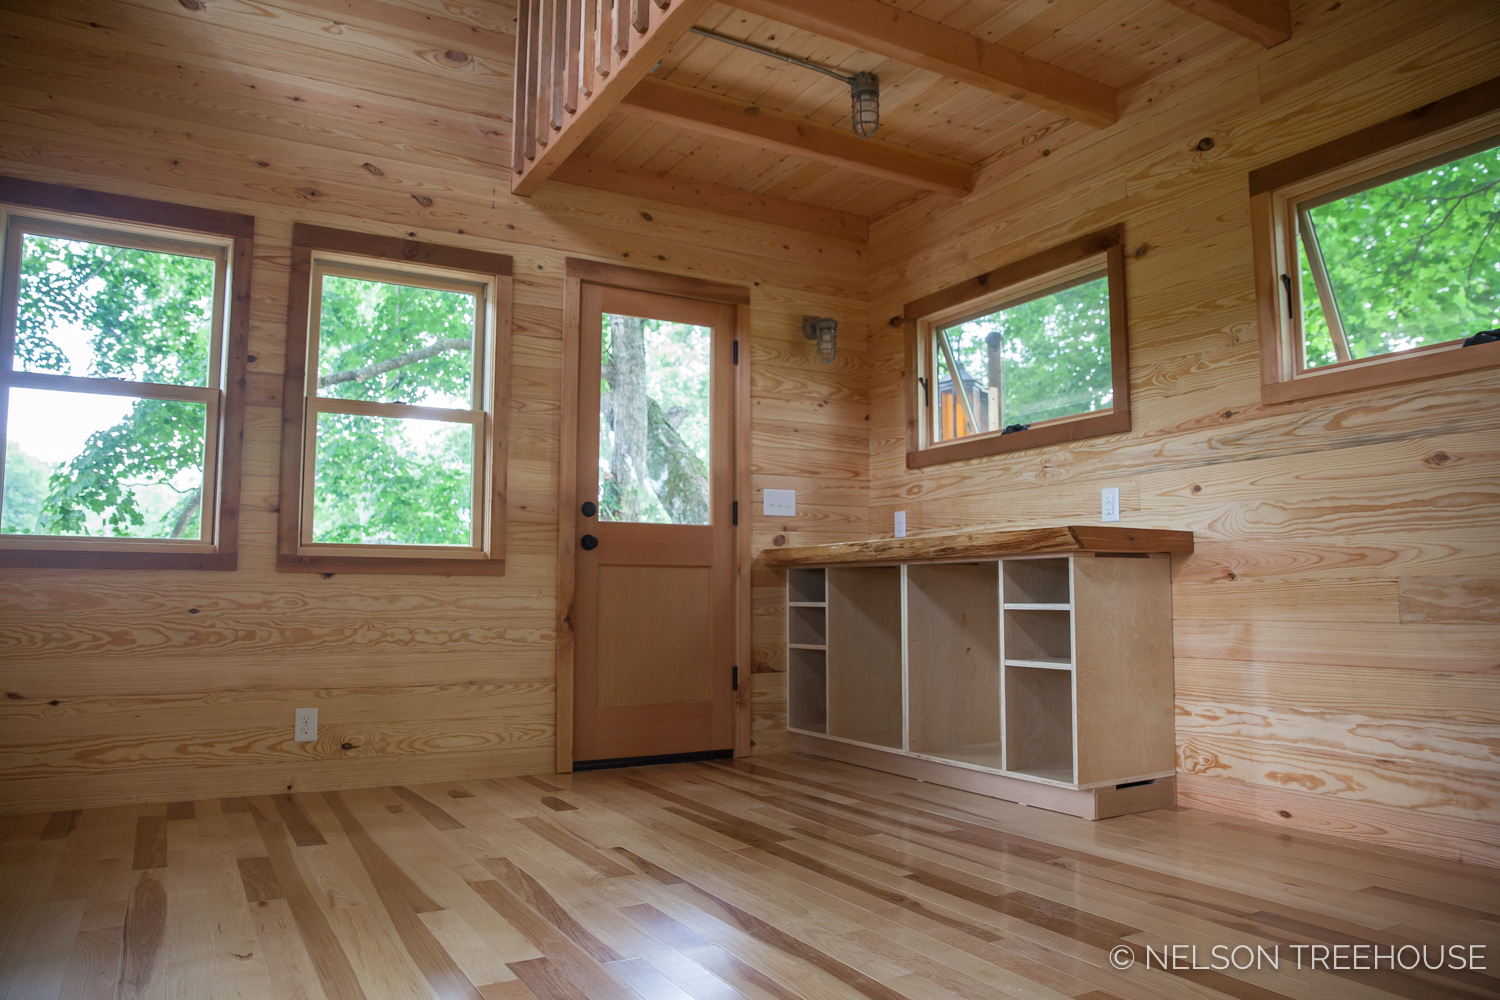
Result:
825,331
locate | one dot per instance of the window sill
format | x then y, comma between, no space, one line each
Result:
1392,371
71,558
392,565
1058,432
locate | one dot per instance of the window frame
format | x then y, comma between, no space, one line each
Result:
1051,270
227,238
1282,192
317,251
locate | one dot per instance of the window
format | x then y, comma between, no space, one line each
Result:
122,325
397,361
1027,355
1377,255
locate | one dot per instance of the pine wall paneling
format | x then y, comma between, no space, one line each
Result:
389,118
1337,633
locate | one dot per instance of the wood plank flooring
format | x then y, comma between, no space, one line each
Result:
776,878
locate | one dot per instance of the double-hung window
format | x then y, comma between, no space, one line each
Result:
1030,354
397,361
1378,254
122,333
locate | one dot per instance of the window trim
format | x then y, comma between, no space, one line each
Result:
147,224
314,250
1013,284
1390,149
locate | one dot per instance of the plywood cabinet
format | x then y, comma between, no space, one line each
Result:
1043,677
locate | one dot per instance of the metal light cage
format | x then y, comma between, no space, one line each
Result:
864,98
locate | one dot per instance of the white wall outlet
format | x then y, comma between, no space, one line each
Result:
900,524
779,503
306,728
1109,504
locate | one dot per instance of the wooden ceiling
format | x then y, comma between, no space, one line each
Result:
1064,62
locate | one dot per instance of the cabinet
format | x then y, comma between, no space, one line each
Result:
1036,668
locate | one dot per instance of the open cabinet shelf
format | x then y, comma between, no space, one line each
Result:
1041,679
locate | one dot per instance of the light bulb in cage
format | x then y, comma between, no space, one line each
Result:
864,97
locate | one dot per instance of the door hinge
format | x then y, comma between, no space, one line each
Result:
735,512
734,678
736,352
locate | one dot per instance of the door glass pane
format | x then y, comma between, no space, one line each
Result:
87,464
654,420
1041,359
393,481
394,343
101,311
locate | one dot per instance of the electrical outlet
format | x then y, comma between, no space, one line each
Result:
1109,504
900,524
306,728
779,503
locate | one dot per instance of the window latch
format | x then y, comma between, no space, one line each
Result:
1286,283
926,391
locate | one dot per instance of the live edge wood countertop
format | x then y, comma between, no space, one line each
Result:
962,546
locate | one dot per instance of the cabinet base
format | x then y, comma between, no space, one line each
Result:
1086,803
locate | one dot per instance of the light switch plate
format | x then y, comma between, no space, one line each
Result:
1109,504
900,524
779,503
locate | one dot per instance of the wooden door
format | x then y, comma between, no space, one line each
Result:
654,613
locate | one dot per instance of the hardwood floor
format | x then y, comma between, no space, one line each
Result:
766,879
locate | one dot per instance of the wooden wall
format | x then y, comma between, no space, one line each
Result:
391,118
1338,628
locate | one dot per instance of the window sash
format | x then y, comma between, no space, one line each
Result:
477,416
18,225
935,345
1291,209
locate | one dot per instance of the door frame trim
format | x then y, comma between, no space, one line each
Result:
579,270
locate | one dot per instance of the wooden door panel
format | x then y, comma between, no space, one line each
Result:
658,632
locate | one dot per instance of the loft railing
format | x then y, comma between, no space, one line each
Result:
576,60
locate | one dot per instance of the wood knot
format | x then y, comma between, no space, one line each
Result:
1437,458
373,170
1196,489
196,6
1283,814
779,541
192,611
346,746
897,320
1205,144
15,695
456,57
1142,250
54,702
646,216
422,199
1232,575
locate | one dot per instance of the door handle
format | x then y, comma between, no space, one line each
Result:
589,508
588,543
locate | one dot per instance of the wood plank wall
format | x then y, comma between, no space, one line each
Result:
1338,628
391,118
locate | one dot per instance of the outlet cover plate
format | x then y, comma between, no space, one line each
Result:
1109,504
305,729
779,503
900,524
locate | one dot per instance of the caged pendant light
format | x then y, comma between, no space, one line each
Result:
864,88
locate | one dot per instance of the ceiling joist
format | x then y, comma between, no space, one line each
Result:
700,111
897,34
1268,22
587,172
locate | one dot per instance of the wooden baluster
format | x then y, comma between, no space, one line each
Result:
603,62
522,145
642,20
575,34
622,29
559,62
586,47
546,16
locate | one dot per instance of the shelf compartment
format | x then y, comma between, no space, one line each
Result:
953,656
1039,636
986,755
1039,723
807,690
865,655
806,586
1037,581
807,626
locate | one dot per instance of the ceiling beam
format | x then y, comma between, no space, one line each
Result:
701,111
1268,22
689,193
897,34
